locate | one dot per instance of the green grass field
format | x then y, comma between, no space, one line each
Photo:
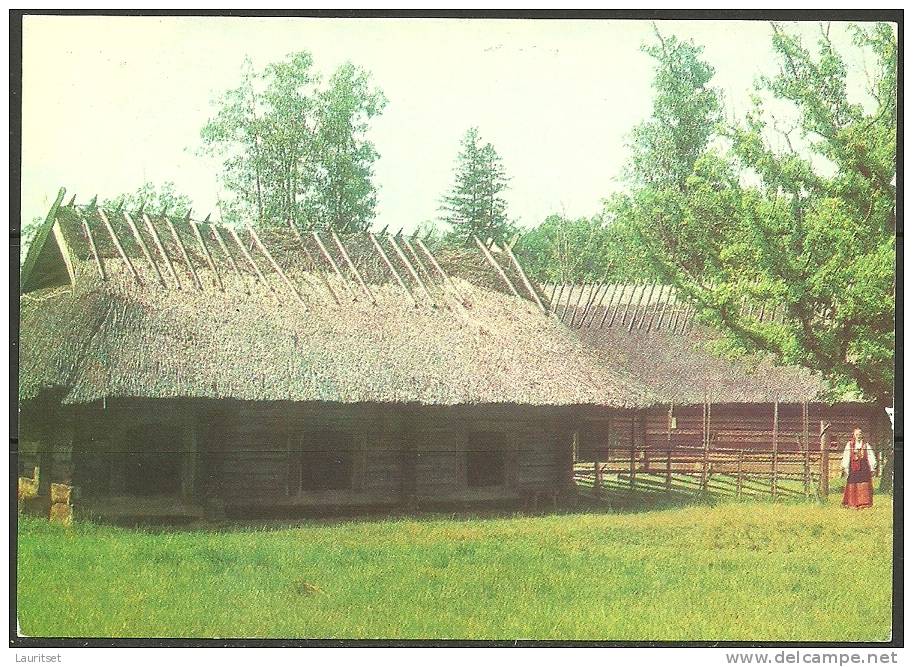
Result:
730,571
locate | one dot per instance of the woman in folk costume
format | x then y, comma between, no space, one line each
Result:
858,465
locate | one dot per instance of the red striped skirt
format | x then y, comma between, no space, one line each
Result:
858,491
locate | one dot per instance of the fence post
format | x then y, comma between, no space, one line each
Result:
705,472
597,478
806,472
825,461
775,468
738,482
668,468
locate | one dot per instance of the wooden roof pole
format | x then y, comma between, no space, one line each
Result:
98,262
551,296
276,267
659,299
525,279
313,260
621,296
143,246
399,279
553,302
231,259
439,268
640,299
605,313
687,317
161,248
497,267
250,260
647,305
662,311
206,253
345,256
624,315
579,300
180,244
594,297
597,304
120,248
329,258
418,260
412,272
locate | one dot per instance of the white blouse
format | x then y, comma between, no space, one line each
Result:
845,463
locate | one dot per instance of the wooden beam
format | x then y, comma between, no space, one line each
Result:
628,303
411,269
206,253
93,248
659,300
775,459
250,260
577,307
329,258
418,260
143,246
161,248
555,302
231,260
439,269
390,266
345,256
276,267
643,317
524,278
497,267
313,260
117,244
670,297
640,300
31,257
824,482
618,291
64,251
598,304
180,244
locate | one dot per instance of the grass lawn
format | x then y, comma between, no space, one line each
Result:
732,571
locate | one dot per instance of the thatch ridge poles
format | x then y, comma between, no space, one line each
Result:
497,267
619,292
525,279
438,267
643,317
418,260
597,304
276,267
412,272
161,248
662,313
250,260
231,259
640,300
659,299
345,256
117,244
399,279
98,262
313,260
206,253
183,249
589,297
554,303
576,305
143,246
329,258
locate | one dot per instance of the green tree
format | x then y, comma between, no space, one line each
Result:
293,149
474,204
152,197
806,228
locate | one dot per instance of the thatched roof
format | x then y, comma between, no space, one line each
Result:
647,333
264,315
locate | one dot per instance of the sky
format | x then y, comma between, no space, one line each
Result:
110,103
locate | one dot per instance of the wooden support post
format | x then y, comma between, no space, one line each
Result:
206,253
598,303
153,232
352,267
577,307
329,258
597,478
525,279
706,446
278,269
825,461
120,248
143,247
662,313
624,315
633,455
669,447
183,249
421,265
567,302
775,460
806,469
412,272
659,300
496,266
231,260
617,290
390,266
94,248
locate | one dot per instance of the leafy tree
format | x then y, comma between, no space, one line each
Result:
163,198
474,204
295,150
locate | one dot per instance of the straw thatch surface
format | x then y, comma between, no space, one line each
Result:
682,365
461,342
